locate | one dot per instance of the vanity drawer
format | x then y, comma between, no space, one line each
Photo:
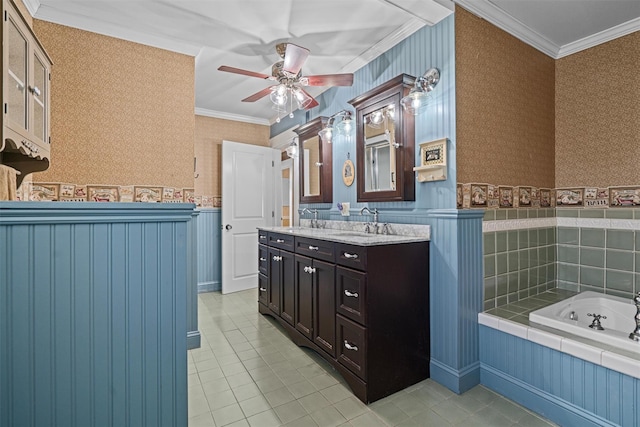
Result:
263,257
262,289
282,241
319,249
352,346
351,256
351,286
263,237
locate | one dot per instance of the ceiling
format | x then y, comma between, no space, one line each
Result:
342,36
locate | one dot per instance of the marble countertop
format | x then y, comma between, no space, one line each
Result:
351,237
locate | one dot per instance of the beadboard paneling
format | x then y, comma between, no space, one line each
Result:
93,305
563,388
209,252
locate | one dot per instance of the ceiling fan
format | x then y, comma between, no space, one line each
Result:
288,74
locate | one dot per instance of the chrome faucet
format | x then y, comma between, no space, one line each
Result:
635,335
375,219
596,321
314,221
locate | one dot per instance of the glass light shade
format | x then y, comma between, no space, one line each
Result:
415,101
326,135
292,149
345,127
301,97
279,95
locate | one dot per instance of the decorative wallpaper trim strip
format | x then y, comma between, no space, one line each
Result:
490,196
64,192
607,358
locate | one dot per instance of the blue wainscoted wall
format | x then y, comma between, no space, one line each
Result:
209,250
565,389
456,245
93,314
193,334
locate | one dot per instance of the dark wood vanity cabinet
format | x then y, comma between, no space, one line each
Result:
365,309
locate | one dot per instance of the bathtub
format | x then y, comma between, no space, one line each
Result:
618,324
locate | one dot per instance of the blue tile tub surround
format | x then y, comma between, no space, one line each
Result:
565,389
93,306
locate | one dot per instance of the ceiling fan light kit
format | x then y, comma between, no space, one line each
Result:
288,74
418,97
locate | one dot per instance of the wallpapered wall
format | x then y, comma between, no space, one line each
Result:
598,115
504,107
208,148
121,112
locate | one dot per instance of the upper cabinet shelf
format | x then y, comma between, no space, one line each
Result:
26,78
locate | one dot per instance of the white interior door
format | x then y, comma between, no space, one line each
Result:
250,199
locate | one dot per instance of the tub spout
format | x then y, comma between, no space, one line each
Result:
635,335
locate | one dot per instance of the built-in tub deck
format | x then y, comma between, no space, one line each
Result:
514,319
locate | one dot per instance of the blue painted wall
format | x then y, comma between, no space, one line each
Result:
565,389
93,300
209,250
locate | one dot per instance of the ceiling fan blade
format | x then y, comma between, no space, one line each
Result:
328,80
258,95
243,72
294,58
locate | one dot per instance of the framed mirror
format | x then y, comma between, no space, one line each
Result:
316,185
385,141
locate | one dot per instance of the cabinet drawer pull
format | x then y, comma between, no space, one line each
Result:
350,256
313,248
277,258
263,289
350,346
351,294
262,237
279,240
262,259
309,269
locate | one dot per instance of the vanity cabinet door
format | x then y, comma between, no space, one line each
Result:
324,332
288,287
275,280
304,296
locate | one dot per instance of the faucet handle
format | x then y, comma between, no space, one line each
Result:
367,227
385,228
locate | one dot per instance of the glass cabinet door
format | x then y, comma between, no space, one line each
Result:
17,76
39,91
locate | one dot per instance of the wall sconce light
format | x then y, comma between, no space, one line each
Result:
344,127
419,95
292,149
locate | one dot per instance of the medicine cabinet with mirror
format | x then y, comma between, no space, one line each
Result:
385,141
316,184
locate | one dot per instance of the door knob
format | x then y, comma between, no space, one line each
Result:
228,227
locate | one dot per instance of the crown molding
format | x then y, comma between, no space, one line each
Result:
231,116
46,13
506,22
32,6
599,38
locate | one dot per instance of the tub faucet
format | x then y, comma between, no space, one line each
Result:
596,321
375,219
635,335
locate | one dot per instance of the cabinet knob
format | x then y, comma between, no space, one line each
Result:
313,248
277,258
351,294
350,346
350,256
34,90
262,237
280,241
263,289
262,259
309,269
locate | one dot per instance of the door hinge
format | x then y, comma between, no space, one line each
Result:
273,214
5,108
49,76
5,16
273,164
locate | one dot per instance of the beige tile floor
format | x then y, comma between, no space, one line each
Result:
248,373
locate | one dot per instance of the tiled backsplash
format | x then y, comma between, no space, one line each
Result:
527,251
